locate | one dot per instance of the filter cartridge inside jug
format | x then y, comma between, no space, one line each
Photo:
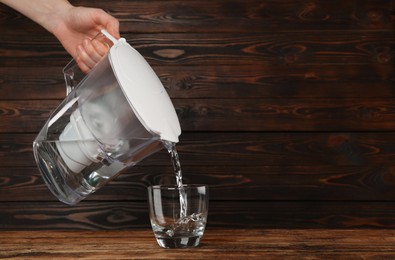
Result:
76,145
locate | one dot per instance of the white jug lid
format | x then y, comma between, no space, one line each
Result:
144,91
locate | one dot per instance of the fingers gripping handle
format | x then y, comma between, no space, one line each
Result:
72,73
109,36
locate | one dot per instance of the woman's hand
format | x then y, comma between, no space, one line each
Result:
75,27
76,30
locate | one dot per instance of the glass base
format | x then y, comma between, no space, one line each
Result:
53,171
178,242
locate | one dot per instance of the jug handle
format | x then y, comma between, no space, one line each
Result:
73,74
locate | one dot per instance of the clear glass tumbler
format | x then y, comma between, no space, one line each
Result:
178,214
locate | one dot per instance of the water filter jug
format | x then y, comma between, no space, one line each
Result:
115,116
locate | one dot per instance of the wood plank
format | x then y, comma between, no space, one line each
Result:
280,48
286,114
309,114
247,149
18,83
285,48
128,215
217,243
234,16
253,183
223,81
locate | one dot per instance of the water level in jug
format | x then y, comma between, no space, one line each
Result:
71,182
85,144
68,186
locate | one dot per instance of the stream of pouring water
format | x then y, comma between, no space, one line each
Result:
171,147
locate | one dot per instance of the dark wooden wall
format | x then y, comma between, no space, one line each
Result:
287,109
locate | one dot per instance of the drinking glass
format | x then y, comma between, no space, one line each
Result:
178,214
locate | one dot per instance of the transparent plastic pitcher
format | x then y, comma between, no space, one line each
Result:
112,118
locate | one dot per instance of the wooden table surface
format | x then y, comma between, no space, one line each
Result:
217,243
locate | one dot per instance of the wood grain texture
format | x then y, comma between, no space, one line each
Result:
238,183
226,81
216,243
247,149
234,16
287,110
236,114
285,48
117,215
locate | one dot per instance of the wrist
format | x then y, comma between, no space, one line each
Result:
46,13
54,15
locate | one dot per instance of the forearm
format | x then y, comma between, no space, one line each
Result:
44,12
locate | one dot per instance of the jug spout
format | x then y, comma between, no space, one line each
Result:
170,135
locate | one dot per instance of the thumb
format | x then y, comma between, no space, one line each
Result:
108,22
113,28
